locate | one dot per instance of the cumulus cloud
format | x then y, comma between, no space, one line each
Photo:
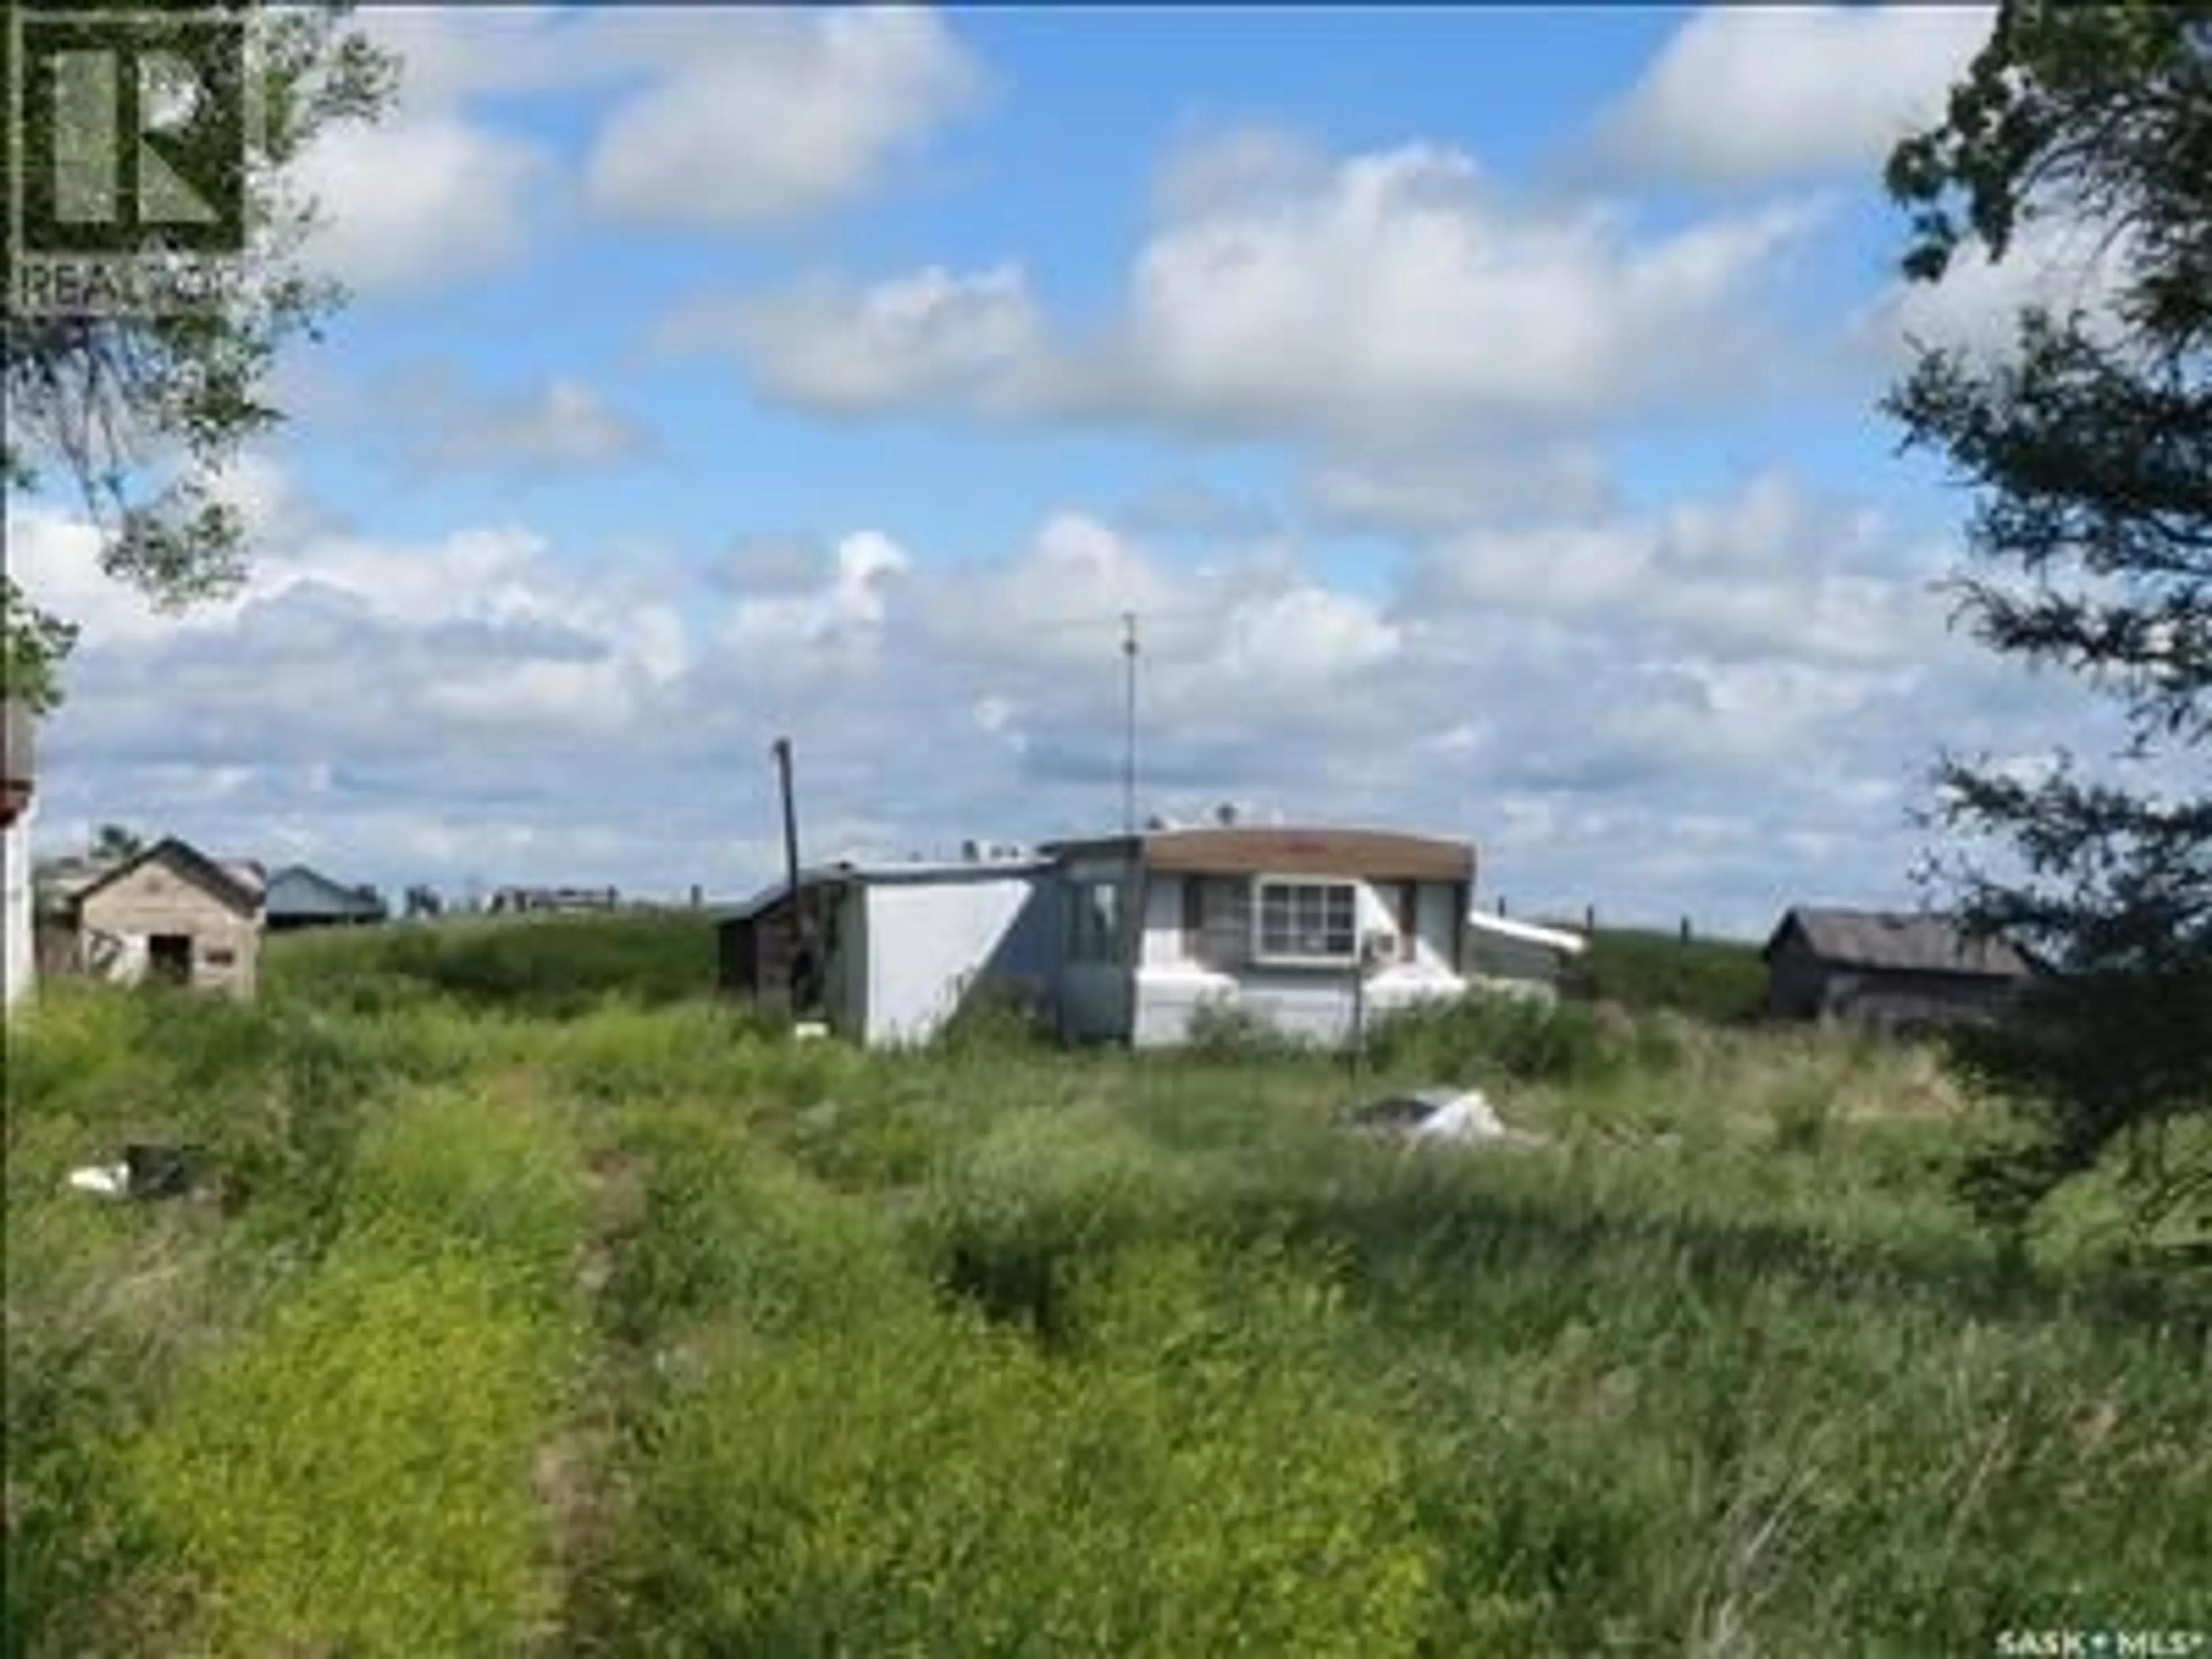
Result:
1423,490
782,114
719,118
1749,96
1771,573
1387,292
428,415
933,336
1707,708
559,424
421,201
2057,262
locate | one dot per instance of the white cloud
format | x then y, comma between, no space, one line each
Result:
1744,96
1389,293
931,336
1427,489
2058,262
1238,170
1670,713
852,606
1771,573
589,698
55,557
427,414
784,113
729,118
560,423
421,201
1306,636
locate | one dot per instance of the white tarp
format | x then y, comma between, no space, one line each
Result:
1453,1117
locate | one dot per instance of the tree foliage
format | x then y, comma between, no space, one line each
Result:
113,843
140,413
2087,446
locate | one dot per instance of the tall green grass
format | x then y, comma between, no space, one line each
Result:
1719,981
542,1319
554,966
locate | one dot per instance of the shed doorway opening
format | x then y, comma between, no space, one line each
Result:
169,957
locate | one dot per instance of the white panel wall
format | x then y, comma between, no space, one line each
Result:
1314,1002
1162,946
22,964
926,943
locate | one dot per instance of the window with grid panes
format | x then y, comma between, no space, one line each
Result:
1301,921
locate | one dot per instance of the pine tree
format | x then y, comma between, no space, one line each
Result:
2087,447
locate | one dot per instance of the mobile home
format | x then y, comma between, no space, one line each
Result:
1293,927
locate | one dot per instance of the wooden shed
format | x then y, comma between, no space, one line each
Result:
171,912
1888,970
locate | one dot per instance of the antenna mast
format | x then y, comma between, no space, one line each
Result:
1129,723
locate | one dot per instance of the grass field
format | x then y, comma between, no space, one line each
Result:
545,1309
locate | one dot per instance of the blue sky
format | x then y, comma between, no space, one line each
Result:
1477,406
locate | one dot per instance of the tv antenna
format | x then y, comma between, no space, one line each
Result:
1129,723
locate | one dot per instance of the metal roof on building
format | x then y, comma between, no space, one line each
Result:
1899,942
890,873
1257,849
1528,932
301,890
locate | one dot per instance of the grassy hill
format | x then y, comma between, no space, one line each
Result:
1723,981
553,965
523,1320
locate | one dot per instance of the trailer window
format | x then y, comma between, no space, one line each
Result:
1095,921
1303,921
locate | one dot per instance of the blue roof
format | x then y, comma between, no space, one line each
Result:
299,891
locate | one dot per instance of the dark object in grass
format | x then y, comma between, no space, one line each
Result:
1401,1111
154,1170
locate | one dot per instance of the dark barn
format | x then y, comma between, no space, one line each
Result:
1889,971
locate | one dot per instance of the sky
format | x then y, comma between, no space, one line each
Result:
1478,408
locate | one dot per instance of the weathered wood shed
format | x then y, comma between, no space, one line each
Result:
171,912
1887,969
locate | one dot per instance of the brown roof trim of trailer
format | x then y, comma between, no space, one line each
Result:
1370,854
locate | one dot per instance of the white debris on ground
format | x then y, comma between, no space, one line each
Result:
1458,1118
146,1170
102,1180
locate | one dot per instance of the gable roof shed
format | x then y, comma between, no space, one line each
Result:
235,884
1892,942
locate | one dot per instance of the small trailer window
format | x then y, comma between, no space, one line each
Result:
1299,922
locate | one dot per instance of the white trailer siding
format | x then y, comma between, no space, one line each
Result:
22,965
928,944
1172,983
1508,955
